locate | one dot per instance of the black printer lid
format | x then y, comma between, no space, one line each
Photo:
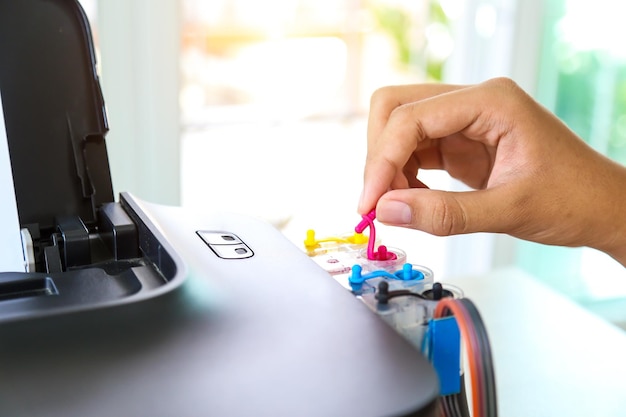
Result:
54,111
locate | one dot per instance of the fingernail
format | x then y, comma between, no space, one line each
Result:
394,213
360,201
360,207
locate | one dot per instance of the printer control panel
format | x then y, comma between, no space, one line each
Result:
225,245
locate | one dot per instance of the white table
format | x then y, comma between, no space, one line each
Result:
551,357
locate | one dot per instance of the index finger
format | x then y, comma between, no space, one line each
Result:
386,99
469,110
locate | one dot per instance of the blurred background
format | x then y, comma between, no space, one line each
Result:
261,108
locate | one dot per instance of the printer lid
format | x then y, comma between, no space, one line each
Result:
54,111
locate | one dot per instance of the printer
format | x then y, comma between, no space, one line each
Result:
121,307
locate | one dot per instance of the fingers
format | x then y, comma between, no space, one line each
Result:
472,111
443,213
386,99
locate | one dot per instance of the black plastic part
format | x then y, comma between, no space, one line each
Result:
53,110
437,292
383,292
150,246
383,295
52,259
26,287
75,238
29,294
118,232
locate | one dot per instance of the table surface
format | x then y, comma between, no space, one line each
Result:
551,356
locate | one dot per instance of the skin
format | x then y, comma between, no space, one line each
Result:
533,178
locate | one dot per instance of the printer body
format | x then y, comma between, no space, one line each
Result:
125,307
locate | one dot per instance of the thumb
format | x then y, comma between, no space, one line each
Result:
444,213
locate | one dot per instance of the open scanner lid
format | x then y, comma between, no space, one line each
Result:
54,111
85,247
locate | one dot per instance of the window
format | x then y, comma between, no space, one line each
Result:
583,80
244,60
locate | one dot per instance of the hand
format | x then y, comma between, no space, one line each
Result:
533,177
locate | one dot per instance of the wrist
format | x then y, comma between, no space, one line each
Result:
614,232
619,256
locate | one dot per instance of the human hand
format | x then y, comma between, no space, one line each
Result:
533,177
